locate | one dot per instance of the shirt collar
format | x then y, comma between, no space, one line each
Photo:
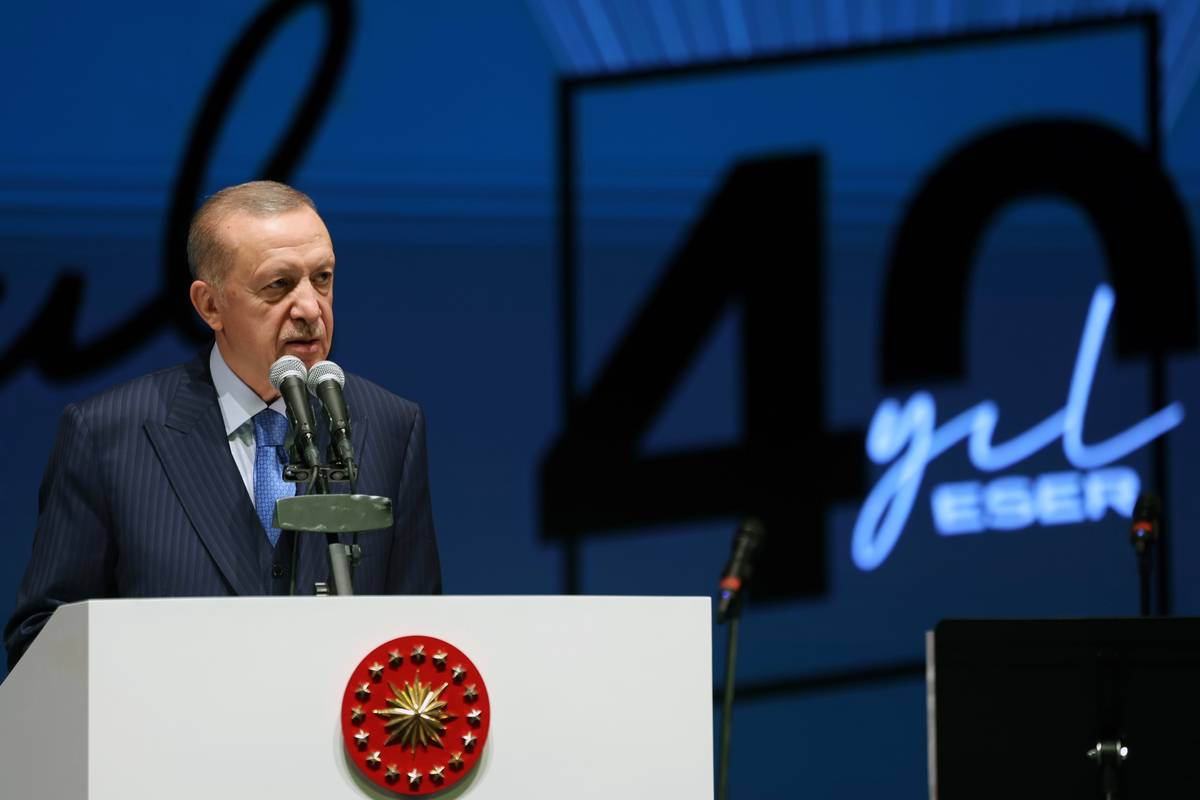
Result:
239,403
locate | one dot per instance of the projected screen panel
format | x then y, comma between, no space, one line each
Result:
1027,521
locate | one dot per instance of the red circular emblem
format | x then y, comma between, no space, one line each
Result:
415,715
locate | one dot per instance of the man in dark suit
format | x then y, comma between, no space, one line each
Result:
164,486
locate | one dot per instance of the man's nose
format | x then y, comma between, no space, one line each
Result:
304,303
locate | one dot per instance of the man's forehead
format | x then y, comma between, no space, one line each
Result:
257,236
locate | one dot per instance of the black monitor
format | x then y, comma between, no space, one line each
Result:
1018,708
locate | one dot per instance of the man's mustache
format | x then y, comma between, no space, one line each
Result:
307,332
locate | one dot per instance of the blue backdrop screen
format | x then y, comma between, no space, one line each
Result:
434,164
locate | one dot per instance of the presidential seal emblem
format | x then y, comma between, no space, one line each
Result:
415,716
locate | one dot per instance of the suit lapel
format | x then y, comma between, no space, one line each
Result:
358,429
358,432
194,452
358,424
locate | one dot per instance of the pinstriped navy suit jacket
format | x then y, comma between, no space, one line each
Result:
142,498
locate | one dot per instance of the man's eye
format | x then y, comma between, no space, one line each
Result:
281,283
323,278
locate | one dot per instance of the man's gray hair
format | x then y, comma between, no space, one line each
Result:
208,256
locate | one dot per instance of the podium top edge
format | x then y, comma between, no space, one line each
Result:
447,598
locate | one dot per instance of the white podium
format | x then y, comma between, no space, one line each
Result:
591,697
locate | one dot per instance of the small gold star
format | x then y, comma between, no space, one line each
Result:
470,694
395,659
417,655
364,691
393,773
469,741
414,777
361,739
456,761
439,659
437,774
373,760
356,714
474,717
376,671
459,673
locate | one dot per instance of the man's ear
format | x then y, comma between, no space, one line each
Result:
204,300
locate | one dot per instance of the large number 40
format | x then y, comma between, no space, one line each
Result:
759,242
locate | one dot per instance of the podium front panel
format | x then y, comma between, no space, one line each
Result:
241,697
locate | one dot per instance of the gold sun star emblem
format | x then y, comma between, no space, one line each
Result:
415,715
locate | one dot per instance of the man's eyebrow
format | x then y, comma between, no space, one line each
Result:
280,265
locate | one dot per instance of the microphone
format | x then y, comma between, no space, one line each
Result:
326,380
737,572
288,375
1143,531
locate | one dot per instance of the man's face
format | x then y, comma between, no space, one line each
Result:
276,298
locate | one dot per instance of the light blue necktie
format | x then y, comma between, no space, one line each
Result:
270,431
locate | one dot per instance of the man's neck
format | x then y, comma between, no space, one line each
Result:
261,387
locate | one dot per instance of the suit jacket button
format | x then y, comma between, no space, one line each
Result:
277,571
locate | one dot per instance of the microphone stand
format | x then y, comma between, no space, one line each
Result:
1144,580
734,578
1143,535
319,511
735,614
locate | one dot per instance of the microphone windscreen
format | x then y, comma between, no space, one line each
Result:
287,367
325,371
753,531
1147,507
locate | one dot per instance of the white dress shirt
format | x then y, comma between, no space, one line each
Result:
239,403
